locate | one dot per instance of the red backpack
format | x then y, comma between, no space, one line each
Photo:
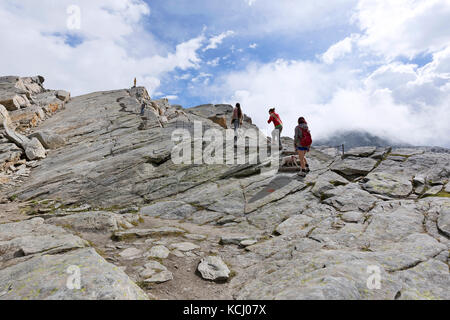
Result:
306,140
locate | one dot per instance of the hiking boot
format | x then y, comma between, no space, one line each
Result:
301,173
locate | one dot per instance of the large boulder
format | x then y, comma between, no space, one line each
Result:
33,237
49,140
28,117
14,101
49,277
352,166
360,152
214,269
63,95
34,149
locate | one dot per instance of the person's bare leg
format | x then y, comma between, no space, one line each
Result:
301,156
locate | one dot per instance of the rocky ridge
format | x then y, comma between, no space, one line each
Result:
108,199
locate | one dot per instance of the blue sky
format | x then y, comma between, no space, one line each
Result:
381,66
189,19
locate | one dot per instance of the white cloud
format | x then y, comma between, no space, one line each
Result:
394,100
403,27
183,76
202,75
214,62
215,41
171,97
294,17
114,48
253,45
335,98
339,50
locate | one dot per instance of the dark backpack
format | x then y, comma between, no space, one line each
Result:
306,139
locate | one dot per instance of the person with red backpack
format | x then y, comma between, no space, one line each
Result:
302,142
276,133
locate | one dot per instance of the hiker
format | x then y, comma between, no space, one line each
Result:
236,120
302,142
134,83
276,133
143,105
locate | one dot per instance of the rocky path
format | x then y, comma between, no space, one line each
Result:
111,202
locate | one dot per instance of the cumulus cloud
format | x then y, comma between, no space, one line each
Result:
336,99
338,50
372,90
111,50
403,27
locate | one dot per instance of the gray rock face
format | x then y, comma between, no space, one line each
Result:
48,278
391,185
294,224
350,198
169,210
360,152
418,286
213,268
54,255
327,181
354,166
444,221
98,142
95,221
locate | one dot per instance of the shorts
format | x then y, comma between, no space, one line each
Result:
302,148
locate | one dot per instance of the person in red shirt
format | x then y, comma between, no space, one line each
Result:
276,133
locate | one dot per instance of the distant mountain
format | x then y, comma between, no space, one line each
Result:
352,139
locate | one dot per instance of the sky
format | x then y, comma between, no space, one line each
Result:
376,65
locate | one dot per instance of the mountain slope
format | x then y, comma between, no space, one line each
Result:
113,183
